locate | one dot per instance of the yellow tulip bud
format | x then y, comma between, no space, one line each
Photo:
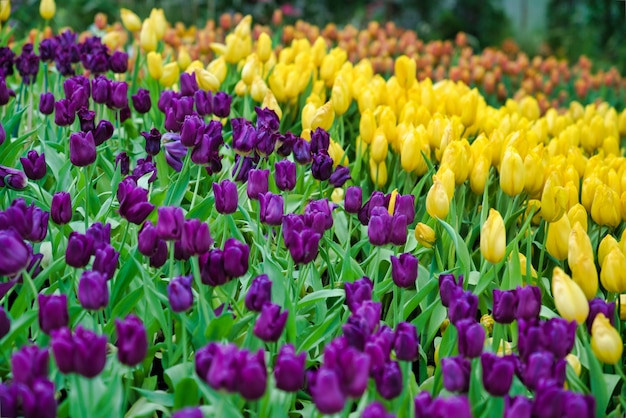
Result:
425,235
243,28
218,68
569,298
621,306
5,10
553,200
405,70
270,102
378,173
523,263
338,195
391,207
157,16
469,107
487,322
379,147
457,156
207,80
171,73
588,192
577,213
613,272
308,111
606,343
328,70
184,59
241,88
250,69
47,9
130,20
367,126
605,208
493,238
557,241
606,246
529,108
574,362
337,153
410,154
155,65
580,260
437,200
479,175
112,40
323,117
512,178
446,175
148,37
340,96
622,242
264,47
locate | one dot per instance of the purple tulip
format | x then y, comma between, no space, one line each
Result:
223,371
179,293
289,370
285,175
188,413
272,207
14,253
123,161
101,235
559,336
204,102
353,199
320,141
497,373
379,226
326,391
212,268
221,104
53,313
449,288
528,302
170,223
405,205
28,364
406,342
64,113
504,305
5,323
141,101
83,353
456,374
322,166
257,183
597,306
118,97
376,410
236,255
270,324
82,149
302,151
118,62
225,196
471,338
191,130
252,375
259,293
517,407
358,292
46,103
389,380
134,205
463,307
132,342
404,270
93,292
340,176
80,248
105,261
188,84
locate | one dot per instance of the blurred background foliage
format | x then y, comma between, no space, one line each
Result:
565,28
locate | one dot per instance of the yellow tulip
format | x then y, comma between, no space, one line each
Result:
457,156
493,238
340,96
5,10
258,89
577,213
391,207
337,153
130,20
487,322
405,70
171,73
557,241
512,178
469,107
184,59
157,16
574,362
218,68
479,175
588,192
379,147
338,195
270,102
437,200
241,88
606,343
112,39
323,117
264,47
553,200
155,65
580,261
250,69
207,80
522,265
410,155
606,246
378,173
243,28
605,208
446,175
569,298
47,9
425,235
148,37
613,272
367,126
529,108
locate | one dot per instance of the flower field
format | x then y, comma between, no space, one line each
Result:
292,221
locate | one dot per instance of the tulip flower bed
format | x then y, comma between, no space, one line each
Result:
285,232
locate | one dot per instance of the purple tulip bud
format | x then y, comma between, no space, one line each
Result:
53,313
27,64
530,337
209,143
405,205
398,232
326,391
144,167
257,183
5,323
183,107
101,235
141,101
452,406
302,151
353,199
188,413
340,176
221,104
132,342
320,141
540,366
471,338
82,149
244,136
423,404
223,371
118,62
369,312
378,348
272,208
46,104
170,223
80,248
267,119
379,226
579,405
165,100
153,141
356,331
376,410
270,324
559,336
134,205
266,142
118,97
404,270
196,238
37,399
89,352
289,370
285,144
464,307
321,210
304,245
528,302
14,253
34,165
192,127
259,293
159,258
102,132
389,380
188,84
86,118
252,375
179,293
456,374
64,113
236,255
517,407
93,292
48,49
285,175
123,161
225,196
322,166
28,364
504,305
204,358
358,292
597,306
449,288
212,268
204,102
497,373
406,342
105,261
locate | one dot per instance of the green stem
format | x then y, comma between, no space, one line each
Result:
87,173
195,190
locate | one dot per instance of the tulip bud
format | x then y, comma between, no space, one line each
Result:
155,65
479,175
47,9
405,70
53,313
557,241
497,373
179,293
289,369
130,20
271,323
170,75
132,342
569,298
606,342
512,173
170,223
605,207
5,11
264,47
425,235
456,373
367,126
323,117
493,238
613,272
82,149
148,37
437,201
580,260
553,200
404,270
225,196
577,213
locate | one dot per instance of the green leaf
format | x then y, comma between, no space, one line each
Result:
219,327
311,298
186,393
144,408
599,388
175,374
460,246
157,396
